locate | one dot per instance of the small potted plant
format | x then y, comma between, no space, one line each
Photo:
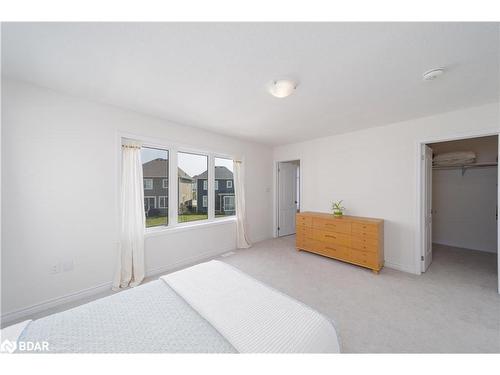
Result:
337,208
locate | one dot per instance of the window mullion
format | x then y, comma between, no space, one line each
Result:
173,195
211,186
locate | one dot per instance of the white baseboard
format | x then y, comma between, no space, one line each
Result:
184,262
491,251
399,267
27,312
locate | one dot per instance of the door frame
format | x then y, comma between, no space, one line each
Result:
427,181
276,191
420,204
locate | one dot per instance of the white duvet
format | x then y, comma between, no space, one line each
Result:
253,317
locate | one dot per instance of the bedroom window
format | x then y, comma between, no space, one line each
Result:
223,197
155,173
192,171
205,186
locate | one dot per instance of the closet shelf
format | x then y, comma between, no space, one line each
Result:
467,166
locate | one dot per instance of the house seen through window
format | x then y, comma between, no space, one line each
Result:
224,188
191,187
194,192
155,173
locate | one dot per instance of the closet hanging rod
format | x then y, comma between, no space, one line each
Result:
466,166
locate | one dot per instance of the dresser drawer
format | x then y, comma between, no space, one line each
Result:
336,226
364,228
304,233
334,251
364,240
331,237
328,250
365,235
364,258
302,220
365,244
302,228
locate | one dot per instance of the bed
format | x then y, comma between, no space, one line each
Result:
208,308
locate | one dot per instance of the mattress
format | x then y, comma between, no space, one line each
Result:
208,308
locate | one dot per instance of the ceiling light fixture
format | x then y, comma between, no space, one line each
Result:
432,74
282,88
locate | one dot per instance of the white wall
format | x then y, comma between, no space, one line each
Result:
60,186
464,208
375,172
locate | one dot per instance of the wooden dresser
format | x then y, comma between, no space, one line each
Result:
352,239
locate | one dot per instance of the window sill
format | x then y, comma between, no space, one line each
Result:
158,231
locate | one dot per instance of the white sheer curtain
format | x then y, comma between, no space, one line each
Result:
242,241
130,269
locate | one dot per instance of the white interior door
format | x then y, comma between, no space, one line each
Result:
287,198
427,196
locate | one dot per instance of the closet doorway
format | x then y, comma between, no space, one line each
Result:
459,206
288,196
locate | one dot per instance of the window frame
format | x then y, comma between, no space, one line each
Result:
163,183
172,149
165,199
144,183
205,184
234,202
228,182
150,145
197,153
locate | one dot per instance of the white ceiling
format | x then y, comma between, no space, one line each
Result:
214,76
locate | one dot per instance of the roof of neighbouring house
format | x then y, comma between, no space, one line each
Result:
158,168
221,173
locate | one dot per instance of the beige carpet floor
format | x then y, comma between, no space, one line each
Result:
453,307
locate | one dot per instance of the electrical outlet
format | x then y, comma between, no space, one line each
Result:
55,268
68,265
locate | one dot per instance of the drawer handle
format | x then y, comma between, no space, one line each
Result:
330,248
330,236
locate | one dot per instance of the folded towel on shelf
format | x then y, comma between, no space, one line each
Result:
454,158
